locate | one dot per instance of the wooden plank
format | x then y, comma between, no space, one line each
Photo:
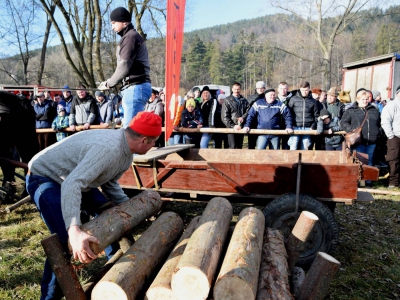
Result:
161,152
160,176
370,173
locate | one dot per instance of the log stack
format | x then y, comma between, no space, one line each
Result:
253,262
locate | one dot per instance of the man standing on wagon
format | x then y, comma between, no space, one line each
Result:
133,67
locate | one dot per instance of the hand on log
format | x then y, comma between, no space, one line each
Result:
238,277
197,267
119,220
126,278
79,242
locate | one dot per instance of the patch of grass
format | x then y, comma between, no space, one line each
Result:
368,249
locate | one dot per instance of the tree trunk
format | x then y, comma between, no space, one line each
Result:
119,220
298,237
127,276
315,285
238,277
161,289
196,269
44,45
273,282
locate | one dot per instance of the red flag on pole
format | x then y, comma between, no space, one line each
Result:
175,24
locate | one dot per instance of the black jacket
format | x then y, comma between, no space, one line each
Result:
353,118
232,110
305,111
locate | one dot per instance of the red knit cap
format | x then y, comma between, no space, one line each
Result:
146,123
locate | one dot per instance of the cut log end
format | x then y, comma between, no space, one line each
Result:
310,215
160,293
188,283
232,287
107,290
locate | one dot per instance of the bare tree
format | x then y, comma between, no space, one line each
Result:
320,21
18,35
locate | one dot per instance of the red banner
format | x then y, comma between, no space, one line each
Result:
175,24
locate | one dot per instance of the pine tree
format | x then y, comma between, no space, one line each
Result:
195,59
358,45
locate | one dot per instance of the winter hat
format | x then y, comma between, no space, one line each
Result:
398,90
196,89
66,88
205,88
324,113
221,97
146,123
190,102
316,91
60,107
375,94
344,97
260,84
333,92
360,90
99,94
120,14
269,90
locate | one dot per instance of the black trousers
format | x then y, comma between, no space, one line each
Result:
235,141
393,158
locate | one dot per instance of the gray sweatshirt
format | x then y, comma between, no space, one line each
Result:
390,118
85,160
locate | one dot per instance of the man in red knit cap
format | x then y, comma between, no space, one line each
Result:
61,188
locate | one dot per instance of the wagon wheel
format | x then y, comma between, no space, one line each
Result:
325,236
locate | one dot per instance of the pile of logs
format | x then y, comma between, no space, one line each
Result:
209,261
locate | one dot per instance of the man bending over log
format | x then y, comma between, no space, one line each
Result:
63,179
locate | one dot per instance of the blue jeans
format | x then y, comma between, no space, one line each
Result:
305,140
264,140
46,194
174,139
205,139
134,99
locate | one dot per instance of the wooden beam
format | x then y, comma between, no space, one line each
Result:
18,204
160,152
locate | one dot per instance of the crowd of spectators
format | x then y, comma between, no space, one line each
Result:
301,109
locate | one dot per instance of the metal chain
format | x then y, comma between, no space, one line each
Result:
360,169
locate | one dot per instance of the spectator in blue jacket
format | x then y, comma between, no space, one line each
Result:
45,113
191,118
60,122
268,112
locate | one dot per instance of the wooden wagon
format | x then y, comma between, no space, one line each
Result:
278,180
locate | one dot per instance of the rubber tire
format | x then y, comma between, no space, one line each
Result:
325,236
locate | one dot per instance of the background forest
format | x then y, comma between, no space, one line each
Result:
288,46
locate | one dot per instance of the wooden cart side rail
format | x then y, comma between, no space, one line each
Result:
193,194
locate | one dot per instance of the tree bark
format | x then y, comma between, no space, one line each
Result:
161,289
119,220
273,282
127,276
298,237
196,269
238,277
62,268
315,285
